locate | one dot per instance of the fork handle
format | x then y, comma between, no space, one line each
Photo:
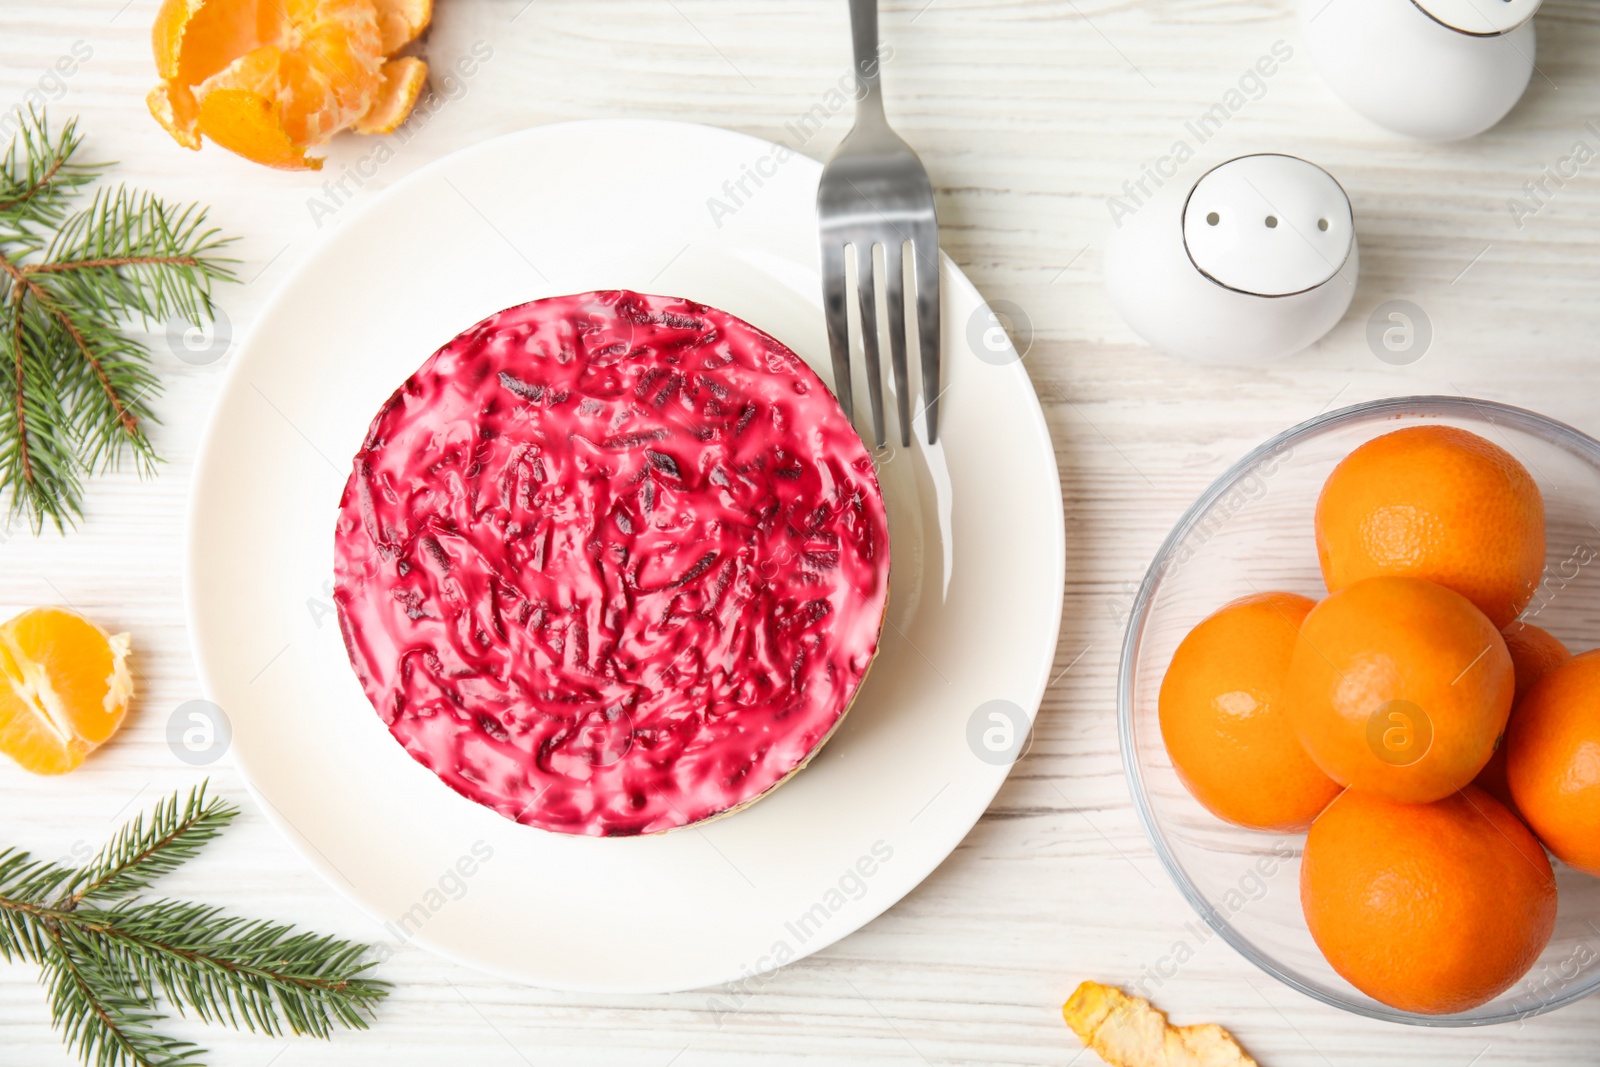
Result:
864,39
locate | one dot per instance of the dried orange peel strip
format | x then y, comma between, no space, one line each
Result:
65,687
271,80
1129,1032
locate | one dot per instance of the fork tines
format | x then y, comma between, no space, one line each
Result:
835,293
882,200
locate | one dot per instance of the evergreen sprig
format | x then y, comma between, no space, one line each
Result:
75,390
109,959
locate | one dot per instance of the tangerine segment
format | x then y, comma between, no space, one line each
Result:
1224,721
64,688
333,68
1553,761
27,732
402,21
1439,503
1399,687
1432,908
1534,654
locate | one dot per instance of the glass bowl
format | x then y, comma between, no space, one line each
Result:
1252,532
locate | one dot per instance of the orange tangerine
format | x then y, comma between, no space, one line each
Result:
1438,503
1534,654
1399,687
1431,908
65,687
1553,761
1223,718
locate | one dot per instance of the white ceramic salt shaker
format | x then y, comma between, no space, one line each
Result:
1436,70
1257,261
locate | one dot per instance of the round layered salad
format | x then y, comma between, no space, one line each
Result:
612,564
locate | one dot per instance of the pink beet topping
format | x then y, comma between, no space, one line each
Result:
611,563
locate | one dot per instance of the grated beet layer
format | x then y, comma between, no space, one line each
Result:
611,563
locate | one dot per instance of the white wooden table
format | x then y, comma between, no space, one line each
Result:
1030,114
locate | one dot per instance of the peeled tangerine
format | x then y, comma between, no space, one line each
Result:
269,80
64,688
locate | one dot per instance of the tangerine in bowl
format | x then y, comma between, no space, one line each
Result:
1451,562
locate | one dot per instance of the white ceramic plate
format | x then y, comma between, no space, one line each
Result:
975,527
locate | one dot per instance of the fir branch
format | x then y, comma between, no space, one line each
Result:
101,1020
109,959
247,973
38,174
23,882
76,332
131,253
142,851
37,458
75,390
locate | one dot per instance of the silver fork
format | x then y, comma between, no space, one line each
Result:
875,191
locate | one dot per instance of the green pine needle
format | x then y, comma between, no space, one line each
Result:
110,960
145,849
75,390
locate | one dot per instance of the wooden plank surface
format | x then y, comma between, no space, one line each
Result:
1030,114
